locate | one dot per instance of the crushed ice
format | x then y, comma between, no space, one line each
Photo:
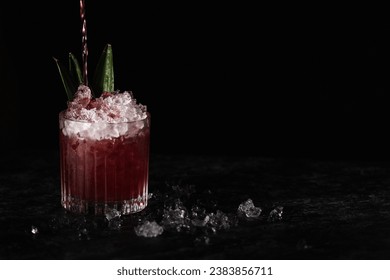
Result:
176,218
106,117
219,220
180,212
34,230
180,209
276,214
112,214
248,209
109,108
148,229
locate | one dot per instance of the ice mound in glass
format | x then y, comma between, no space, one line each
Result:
92,118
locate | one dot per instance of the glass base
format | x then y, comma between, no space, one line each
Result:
125,207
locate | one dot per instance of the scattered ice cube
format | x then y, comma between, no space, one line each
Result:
198,212
199,217
248,209
113,217
149,229
219,220
34,230
200,222
177,209
276,214
176,218
112,213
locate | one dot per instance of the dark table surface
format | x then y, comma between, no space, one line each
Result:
331,210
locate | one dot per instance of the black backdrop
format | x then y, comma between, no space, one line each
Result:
224,79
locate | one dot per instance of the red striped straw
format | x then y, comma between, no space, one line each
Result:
84,41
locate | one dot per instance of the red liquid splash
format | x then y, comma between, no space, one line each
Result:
84,41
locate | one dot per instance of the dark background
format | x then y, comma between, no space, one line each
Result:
230,79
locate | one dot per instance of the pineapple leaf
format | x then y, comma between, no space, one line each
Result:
74,69
104,74
69,84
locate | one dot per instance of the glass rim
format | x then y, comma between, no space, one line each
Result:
62,117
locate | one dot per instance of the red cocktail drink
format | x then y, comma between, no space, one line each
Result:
103,165
104,139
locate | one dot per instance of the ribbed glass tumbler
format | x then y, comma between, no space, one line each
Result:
104,166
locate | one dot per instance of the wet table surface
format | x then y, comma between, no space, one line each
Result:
331,210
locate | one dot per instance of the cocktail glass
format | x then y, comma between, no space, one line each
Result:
104,166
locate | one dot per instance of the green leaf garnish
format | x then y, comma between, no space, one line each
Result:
74,69
103,79
69,84
104,75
